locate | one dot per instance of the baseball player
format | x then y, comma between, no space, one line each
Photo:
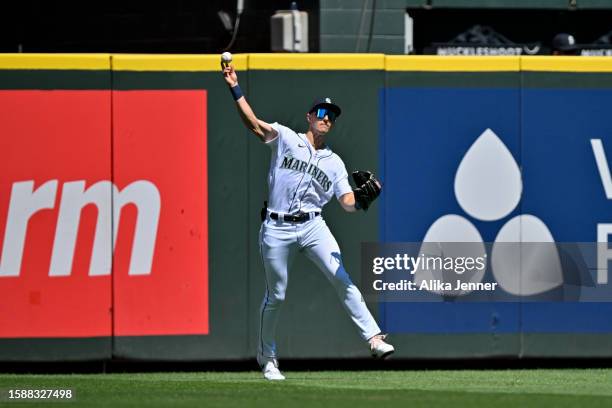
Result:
304,175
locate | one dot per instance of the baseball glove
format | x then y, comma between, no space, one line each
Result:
368,189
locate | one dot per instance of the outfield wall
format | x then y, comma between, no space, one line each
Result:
146,154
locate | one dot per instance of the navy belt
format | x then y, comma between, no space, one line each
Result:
294,218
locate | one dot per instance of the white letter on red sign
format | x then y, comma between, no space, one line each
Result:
74,198
145,196
24,203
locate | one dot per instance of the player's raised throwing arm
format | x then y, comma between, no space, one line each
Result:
261,129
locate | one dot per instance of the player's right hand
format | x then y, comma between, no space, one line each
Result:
230,76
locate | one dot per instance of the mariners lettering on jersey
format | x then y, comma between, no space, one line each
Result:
301,178
291,163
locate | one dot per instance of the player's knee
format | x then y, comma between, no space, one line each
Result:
277,298
341,278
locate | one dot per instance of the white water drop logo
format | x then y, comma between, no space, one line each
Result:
540,264
488,187
488,182
450,228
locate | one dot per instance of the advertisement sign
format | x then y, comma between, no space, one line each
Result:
493,166
103,213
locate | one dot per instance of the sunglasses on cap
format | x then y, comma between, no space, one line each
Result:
322,112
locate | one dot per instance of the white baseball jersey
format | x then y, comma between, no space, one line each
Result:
302,179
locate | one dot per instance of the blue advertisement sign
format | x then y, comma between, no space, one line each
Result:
498,166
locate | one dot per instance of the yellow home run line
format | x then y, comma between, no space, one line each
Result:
392,63
566,64
317,61
177,63
432,63
55,61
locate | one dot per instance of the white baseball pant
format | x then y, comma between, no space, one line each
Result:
278,243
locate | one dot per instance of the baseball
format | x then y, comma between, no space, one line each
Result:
226,57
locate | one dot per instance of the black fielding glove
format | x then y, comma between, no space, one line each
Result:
368,189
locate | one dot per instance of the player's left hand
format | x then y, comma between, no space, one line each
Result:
368,189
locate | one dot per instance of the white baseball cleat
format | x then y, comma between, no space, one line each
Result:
269,368
380,348
271,372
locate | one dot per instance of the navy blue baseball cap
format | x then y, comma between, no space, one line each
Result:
564,42
327,104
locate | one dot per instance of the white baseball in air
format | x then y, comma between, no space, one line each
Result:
226,57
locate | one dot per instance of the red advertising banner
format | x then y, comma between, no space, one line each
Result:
160,139
79,181
51,141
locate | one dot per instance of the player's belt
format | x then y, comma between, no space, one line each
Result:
294,218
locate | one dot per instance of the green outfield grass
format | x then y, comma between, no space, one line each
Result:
487,388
